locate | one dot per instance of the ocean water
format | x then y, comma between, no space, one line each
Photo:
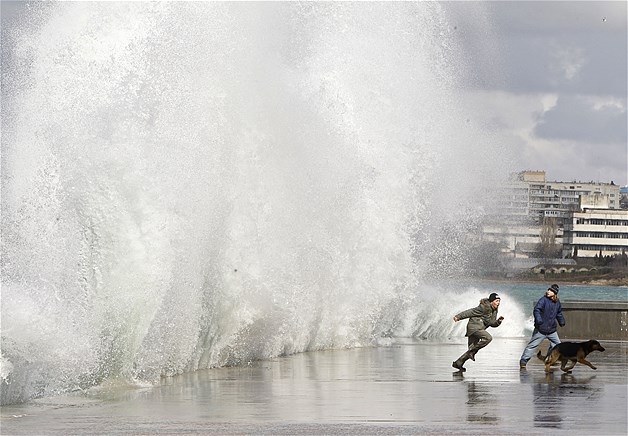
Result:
518,300
527,294
188,185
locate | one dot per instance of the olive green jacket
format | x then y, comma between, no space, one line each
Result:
480,317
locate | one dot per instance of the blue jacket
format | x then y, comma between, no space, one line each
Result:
546,313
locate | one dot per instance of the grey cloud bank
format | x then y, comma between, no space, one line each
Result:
560,70
574,118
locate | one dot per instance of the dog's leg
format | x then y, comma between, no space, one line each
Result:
549,362
566,368
551,359
586,362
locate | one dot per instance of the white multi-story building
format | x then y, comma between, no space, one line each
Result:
529,196
530,206
593,232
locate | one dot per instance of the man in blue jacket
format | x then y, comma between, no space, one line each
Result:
547,311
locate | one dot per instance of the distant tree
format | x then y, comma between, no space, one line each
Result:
547,248
601,260
619,260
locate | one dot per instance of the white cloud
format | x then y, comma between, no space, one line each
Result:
560,96
568,61
564,136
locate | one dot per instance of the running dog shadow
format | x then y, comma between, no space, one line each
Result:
549,394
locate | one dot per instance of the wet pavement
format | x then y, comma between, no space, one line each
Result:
406,388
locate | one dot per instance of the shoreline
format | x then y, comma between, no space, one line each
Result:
568,281
621,282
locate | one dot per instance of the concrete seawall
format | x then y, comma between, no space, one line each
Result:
595,320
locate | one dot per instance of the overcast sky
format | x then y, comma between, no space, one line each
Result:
552,78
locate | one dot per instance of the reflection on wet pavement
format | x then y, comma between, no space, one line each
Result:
408,387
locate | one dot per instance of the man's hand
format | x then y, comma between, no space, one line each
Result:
500,319
456,318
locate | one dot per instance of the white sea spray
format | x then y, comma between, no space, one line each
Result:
189,185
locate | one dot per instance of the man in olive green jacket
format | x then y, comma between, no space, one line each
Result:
480,318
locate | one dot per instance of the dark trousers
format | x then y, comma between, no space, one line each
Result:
477,341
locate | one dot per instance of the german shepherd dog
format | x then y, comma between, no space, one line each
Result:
569,353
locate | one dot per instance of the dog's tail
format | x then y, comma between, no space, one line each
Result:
547,357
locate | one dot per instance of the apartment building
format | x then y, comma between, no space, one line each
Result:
529,196
593,231
575,211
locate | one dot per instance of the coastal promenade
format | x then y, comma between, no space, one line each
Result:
408,387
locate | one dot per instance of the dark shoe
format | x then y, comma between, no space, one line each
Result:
458,366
